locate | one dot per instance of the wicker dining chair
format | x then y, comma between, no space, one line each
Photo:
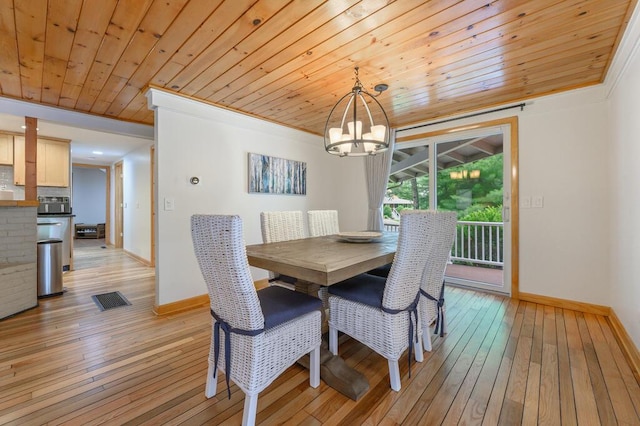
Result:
431,304
323,222
382,313
256,335
279,226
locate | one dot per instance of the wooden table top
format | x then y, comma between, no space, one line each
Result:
323,260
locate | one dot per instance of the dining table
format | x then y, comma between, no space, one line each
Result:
320,262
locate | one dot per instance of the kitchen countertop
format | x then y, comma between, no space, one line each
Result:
19,203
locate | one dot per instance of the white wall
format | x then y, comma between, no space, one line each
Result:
136,172
564,247
89,195
563,148
194,139
624,214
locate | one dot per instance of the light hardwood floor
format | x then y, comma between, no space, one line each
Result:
502,362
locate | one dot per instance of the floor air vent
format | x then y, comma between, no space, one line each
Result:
111,300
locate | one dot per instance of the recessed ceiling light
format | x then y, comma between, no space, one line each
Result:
97,152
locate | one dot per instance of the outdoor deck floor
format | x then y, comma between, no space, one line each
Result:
474,273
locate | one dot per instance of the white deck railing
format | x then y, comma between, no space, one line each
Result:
476,242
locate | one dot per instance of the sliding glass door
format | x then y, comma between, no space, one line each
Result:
469,172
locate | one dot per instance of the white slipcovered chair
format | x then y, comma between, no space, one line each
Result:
431,304
279,226
382,312
323,222
256,335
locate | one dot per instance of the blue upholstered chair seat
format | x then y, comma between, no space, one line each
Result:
364,288
280,305
382,271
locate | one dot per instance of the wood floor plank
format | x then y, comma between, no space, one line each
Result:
586,408
623,408
66,362
473,376
549,405
532,393
603,399
449,388
630,380
411,409
566,395
475,408
395,405
513,405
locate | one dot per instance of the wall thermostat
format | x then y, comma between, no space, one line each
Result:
194,180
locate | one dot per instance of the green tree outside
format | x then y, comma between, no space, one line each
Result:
478,199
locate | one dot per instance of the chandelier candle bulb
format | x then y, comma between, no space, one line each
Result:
378,132
368,146
358,129
335,134
345,149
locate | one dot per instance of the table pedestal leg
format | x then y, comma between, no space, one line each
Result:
333,370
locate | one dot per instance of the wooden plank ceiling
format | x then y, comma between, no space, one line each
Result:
290,61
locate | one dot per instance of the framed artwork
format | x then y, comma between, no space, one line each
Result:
273,175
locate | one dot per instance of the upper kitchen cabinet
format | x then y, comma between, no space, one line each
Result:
6,149
53,162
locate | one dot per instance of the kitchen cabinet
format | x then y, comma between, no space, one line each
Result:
6,149
52,158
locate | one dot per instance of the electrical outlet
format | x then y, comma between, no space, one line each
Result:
169,204
537,201
525,202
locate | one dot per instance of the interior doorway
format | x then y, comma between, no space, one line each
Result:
91,195
471,170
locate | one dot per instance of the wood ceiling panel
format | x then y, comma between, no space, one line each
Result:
159,35
281,83
9,62
191,79
289,61
440,77
172,45
123,25
62,23
309,30
91,28
31,26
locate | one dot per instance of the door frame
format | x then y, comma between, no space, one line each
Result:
119,206
107,216
152,152
513,210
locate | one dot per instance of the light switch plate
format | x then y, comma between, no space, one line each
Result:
537,201
169,204
525,202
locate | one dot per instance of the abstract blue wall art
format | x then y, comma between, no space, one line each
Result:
273,175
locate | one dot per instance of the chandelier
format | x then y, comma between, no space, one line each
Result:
465,174
357,124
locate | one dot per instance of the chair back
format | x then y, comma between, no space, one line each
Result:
281,226
220,250
441,240
423,233
323,222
